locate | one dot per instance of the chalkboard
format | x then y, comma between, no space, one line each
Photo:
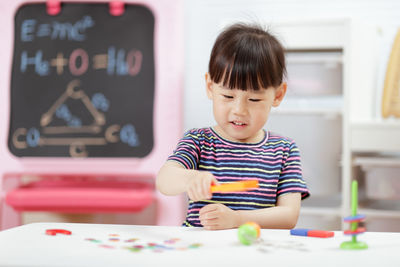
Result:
83,82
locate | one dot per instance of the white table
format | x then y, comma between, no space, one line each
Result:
105,245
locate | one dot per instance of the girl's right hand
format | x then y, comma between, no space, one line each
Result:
199,186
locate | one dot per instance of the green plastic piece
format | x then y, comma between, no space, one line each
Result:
247,234
353,245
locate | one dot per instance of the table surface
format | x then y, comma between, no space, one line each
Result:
138,245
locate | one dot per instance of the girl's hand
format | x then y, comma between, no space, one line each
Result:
217,217
199,186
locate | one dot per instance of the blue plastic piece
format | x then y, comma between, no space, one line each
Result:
299,231
357,217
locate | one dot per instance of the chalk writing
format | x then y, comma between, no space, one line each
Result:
31,29
115,62
33,137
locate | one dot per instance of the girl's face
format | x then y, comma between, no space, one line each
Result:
241,115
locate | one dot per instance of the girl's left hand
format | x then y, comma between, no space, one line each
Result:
218,217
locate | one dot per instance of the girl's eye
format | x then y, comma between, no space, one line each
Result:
228,96
254,100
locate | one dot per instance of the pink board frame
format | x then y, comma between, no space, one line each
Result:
167,115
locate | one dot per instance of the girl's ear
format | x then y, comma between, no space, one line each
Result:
280,93
209,84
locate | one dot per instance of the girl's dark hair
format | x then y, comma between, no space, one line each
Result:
247,57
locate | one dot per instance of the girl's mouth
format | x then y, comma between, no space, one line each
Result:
237,123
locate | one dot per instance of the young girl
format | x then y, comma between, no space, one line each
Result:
244,80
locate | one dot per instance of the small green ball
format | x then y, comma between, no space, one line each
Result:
247,234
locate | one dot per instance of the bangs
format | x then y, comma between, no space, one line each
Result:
247,60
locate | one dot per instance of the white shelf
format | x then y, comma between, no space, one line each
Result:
329,205
375,136
374,213
324,34
317,211
377,161
378,122
314,57
321,105
308,111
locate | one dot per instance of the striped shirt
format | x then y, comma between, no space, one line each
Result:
274,162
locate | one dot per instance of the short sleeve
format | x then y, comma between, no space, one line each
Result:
187,152
291,177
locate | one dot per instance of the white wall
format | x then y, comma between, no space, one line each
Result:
203,20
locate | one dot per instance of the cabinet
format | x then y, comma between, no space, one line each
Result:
331,87
375,147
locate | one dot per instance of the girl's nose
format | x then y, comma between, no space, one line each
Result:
240,107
